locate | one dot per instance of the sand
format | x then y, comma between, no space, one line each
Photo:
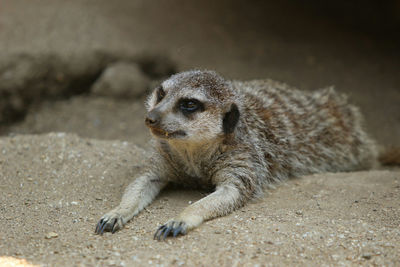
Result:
67,161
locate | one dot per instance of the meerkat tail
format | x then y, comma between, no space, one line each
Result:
390,156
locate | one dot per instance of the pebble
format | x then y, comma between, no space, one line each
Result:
51,235
367,256
299,212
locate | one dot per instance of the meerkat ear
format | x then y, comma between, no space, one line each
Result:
231,118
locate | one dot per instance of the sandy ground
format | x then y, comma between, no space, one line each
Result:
55,187
54,199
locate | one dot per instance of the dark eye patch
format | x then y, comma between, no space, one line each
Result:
189,106
160,94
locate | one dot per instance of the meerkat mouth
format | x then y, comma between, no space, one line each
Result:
164,134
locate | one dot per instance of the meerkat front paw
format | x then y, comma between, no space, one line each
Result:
110,222
173,227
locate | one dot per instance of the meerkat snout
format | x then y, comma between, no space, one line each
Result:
153,118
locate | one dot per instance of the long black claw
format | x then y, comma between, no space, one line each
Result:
166,232
102,227
98,226
170,229
97,231
159,232
114,228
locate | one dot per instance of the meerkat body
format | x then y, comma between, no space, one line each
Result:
239,137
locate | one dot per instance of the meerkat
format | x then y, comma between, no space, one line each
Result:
239,138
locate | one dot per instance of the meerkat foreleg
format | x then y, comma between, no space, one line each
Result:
138,195
222,201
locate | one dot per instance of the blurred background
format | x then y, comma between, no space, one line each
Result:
85,66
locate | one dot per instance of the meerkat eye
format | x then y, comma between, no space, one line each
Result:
160,94
188,106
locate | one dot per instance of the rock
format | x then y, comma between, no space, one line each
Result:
29,78
51,235
299,212
121,80
367,256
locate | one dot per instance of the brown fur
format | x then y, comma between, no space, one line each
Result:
248,136
390,157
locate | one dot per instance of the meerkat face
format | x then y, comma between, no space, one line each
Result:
192,106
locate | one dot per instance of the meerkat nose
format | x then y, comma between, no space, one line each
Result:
153,118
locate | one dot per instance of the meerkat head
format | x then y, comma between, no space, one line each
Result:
193,106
